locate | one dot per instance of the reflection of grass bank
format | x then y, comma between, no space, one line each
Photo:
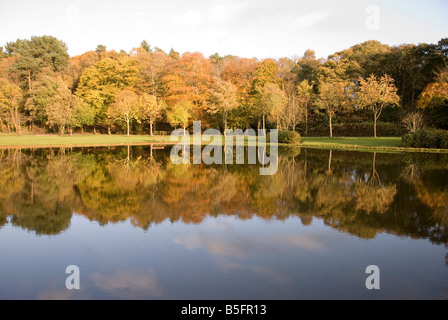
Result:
374,144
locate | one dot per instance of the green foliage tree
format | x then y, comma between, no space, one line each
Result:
37,53
180,114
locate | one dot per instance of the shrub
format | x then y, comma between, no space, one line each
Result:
289,137
407,140
426,138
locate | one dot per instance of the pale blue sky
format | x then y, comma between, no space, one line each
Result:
247,28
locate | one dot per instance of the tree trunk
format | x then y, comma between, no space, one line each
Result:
225,124
224,121
264,125
374,125
127,124
29,80
331,126
150,129
306,122
185,131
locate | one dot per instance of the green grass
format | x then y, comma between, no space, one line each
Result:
78,140
364,141
385,144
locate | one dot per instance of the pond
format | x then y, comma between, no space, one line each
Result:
140,227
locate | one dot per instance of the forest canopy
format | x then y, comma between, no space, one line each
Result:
367,89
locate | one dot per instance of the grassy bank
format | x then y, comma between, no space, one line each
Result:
34,141
77,140
385,144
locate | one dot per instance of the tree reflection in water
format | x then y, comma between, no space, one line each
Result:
360,193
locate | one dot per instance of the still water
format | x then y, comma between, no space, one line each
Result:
140,227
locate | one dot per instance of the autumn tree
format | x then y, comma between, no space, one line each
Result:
288,83
224,98
188,78
305,97
150,108
271,101
60,108
152,66
239,71
376,94
180,114
10,98
435,93
124,108
80,63
100,84
333,97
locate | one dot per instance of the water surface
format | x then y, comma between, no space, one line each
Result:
140,227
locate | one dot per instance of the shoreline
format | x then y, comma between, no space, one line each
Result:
56,141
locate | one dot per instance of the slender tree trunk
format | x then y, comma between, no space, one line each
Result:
331,126
374,125
29,80
306,121
150,129
127,124
185,131
264,125
224,120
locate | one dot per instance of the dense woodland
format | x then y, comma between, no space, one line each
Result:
367,90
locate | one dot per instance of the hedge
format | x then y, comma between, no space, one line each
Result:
352,129
289,137
426,138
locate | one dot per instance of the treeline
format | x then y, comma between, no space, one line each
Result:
368,89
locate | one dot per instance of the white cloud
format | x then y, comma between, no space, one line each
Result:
190,18
225,11
129,284
310,19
